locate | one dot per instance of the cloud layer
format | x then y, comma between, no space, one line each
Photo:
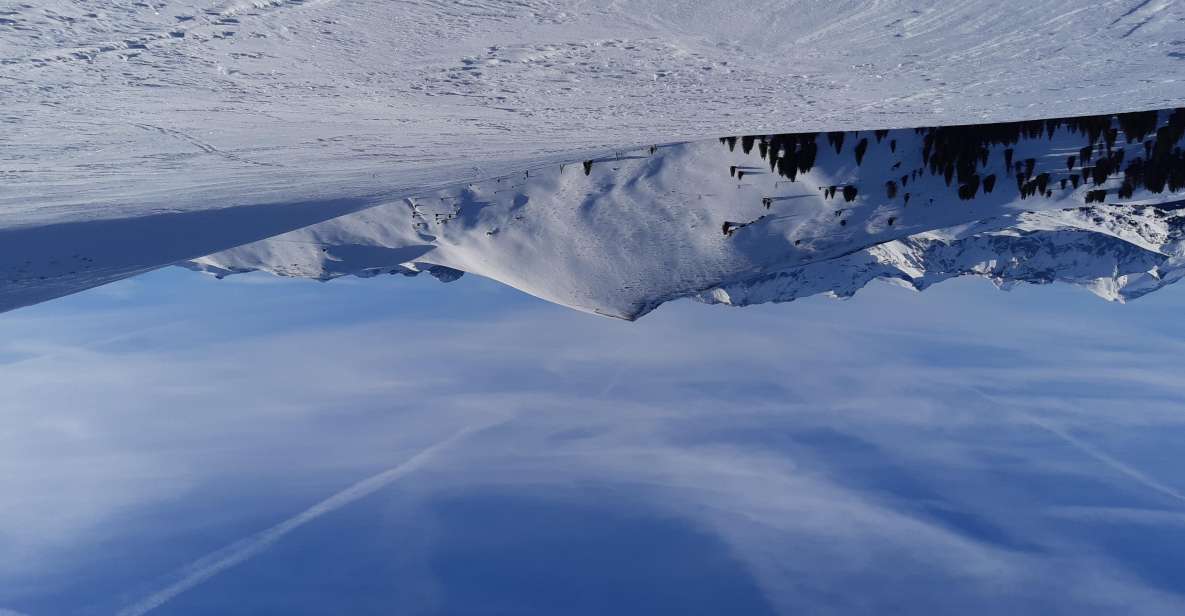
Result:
964,451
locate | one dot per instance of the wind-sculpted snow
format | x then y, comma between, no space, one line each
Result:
731,219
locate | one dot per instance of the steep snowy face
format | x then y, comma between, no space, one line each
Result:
724,219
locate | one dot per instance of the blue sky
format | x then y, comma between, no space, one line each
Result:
178,445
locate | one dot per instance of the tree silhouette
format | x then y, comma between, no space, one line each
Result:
861,148
836,140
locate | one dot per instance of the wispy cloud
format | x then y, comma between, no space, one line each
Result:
1110,461
828,444
213,564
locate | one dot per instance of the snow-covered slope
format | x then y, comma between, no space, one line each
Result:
116,109
138,134
621,235
1117,252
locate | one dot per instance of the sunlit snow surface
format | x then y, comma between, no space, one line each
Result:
721,219
619,235
142,134
115,109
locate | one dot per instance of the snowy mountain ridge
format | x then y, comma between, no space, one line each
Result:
729,220
1117,252
139,135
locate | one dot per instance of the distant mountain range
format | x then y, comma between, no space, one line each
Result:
748,219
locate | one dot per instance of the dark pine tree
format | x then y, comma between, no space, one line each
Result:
861,148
